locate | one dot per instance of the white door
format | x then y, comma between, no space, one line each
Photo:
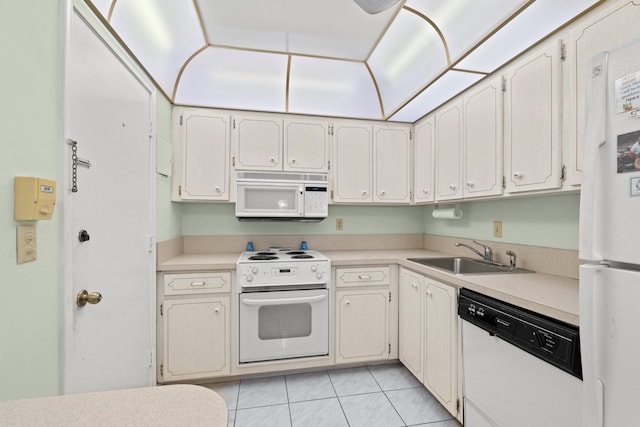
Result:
392,169
610,344
448,149
108,345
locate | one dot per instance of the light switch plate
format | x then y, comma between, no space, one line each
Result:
26,243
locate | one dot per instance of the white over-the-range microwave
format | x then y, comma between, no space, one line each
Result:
281,196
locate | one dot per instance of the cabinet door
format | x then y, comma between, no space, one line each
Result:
362,325
352,164
532,120
441,346
257,143
423,160
411,322
196,338
306,146
448,152
203,151
482,159
392,169
600,31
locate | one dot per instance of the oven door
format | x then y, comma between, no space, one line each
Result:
283,324
269,200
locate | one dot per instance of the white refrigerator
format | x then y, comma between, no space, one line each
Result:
610,241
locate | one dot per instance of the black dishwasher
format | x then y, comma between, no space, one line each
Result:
551,340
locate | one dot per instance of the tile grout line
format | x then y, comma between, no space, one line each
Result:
286,391
384,392
338,398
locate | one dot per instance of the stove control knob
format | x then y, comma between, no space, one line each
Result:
319,275
249,278
314,267
254,270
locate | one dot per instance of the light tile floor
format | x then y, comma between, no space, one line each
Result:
371,396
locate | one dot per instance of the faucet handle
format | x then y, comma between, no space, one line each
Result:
488,252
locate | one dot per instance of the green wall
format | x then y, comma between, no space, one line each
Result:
548,221
29,123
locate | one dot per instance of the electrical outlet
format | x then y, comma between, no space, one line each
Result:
497,228
339,224
26,243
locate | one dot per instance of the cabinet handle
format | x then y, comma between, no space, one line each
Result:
364,277
517,175
197,283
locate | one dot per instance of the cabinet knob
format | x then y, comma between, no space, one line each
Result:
429,293
293,160
425,191
382,193
517,175
452,187
469,184
364,193
217,310
348,302
272,160
414,286
217,189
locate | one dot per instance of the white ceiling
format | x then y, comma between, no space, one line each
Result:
328,57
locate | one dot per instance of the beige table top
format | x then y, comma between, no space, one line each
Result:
173,405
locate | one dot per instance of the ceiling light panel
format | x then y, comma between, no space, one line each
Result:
450,84
228,78
327,28
529,27
332,88
162,34
464,23
408,57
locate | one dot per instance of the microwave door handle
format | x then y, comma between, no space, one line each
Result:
281,301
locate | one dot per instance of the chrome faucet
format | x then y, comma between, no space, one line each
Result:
512,259
487,255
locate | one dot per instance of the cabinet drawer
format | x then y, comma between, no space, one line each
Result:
362,276
197,283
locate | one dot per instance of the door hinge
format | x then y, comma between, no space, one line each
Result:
389,296
389,348
161,370
563,51
410,135
233,161
563,173
331,194
328,164
150,358
504,84
458,405
181,120
234,122
179,190
410,195
152,242
504,182
161,313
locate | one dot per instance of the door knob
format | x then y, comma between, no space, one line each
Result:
83,297
83,236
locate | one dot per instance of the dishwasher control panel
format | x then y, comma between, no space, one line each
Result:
551,340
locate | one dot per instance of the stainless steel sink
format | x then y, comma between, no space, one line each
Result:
463,265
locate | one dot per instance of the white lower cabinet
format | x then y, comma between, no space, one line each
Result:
194,326
428,333
365,317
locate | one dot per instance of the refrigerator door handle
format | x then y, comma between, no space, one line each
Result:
595,138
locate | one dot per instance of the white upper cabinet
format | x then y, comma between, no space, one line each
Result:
306,145
264,142
597,32
352,163
423,160
257,143
532,144
200,155
448,151
482,158
392,170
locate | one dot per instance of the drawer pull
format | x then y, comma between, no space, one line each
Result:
197,283
364,277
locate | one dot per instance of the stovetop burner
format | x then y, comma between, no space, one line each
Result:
296,253
302,256
263,257
265,253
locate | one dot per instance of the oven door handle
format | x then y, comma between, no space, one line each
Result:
281,301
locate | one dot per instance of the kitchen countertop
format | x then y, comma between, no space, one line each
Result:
174,405
550,295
